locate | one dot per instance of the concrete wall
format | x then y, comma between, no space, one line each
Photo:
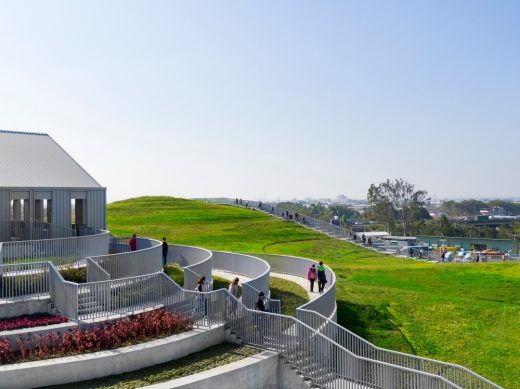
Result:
100,364
24,307
288,376
258,371
265,370
13,335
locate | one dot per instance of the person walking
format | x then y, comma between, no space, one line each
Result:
260,318
133,243
260,305
322,277
164,251
201,285
312,275
233,287
201,298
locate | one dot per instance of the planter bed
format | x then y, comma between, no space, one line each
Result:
28,321
119,333
111,362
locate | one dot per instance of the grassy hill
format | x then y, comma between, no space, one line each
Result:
461,313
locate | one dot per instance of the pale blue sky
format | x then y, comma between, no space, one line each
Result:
274,98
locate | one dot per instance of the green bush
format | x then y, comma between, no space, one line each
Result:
74,274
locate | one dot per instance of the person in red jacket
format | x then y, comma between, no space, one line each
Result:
133,243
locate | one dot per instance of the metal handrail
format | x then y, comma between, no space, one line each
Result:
324,361
457,374
60,251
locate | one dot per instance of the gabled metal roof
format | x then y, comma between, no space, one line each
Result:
35,160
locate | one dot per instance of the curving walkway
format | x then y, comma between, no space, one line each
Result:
304,283
311,341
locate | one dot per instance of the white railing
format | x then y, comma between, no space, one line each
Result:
325,303
124,296
63,251
195,261
325,362
63,293
191,279
95,272
253,267
147,259
457,374
24,281
34,229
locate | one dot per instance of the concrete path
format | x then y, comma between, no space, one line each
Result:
304,283
230,276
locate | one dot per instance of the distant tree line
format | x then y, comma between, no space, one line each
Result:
473,207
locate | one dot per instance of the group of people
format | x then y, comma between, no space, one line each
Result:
317,274
133,247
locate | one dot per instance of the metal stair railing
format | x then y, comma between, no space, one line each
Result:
327,363
457,374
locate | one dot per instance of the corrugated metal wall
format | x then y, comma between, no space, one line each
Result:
61,209
5,214
97,209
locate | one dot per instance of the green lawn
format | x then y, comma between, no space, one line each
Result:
462,313
290,293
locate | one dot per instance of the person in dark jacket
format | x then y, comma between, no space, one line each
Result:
260,305
322,278
164,251
133,243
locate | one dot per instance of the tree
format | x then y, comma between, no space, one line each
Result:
396,200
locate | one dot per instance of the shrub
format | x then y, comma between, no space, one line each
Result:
74,274
27,321
118,333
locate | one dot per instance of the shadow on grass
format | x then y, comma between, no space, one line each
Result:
375,324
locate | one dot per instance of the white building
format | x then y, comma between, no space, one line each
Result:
44,188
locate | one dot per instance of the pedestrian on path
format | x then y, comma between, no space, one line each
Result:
164,251
260,305
322,277
233,287
202,286
133,243
312,275
202,305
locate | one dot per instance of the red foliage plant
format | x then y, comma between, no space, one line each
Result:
27,321
118,333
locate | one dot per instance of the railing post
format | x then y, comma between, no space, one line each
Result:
1,263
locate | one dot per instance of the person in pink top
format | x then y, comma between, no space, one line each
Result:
312,275
133,243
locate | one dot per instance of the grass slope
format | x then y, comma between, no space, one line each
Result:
467,314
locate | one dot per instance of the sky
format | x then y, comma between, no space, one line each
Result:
270,99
